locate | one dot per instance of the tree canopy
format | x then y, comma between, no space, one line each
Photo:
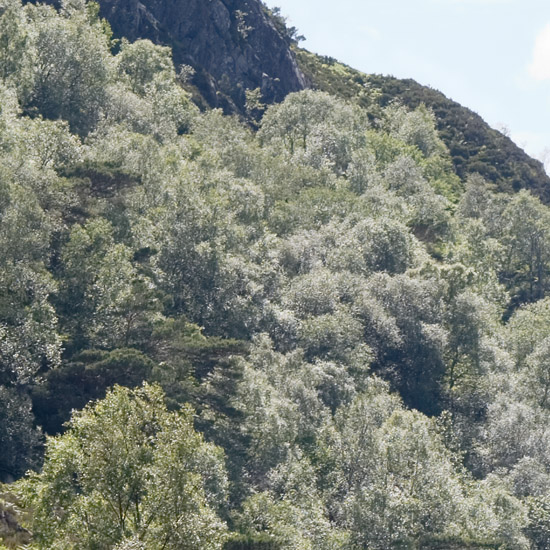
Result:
306,330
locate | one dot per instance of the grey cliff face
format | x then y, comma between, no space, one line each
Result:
231,44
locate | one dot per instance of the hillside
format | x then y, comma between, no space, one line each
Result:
239,45
474,146
306,329
233,45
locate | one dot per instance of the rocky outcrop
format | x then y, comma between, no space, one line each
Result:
233,45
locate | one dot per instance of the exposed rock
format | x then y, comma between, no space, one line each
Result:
232,44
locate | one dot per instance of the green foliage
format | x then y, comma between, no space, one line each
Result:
17,48
246,542
539,522
141,62
473,146
527,222
20,440
72,67
86,377
339,80
128,468
313,126
112,303
358,323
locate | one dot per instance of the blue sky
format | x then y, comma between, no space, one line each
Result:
492,56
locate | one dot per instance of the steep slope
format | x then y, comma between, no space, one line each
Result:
233,45
475,147
334,322
236,45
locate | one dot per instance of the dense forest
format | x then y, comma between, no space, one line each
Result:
306,328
